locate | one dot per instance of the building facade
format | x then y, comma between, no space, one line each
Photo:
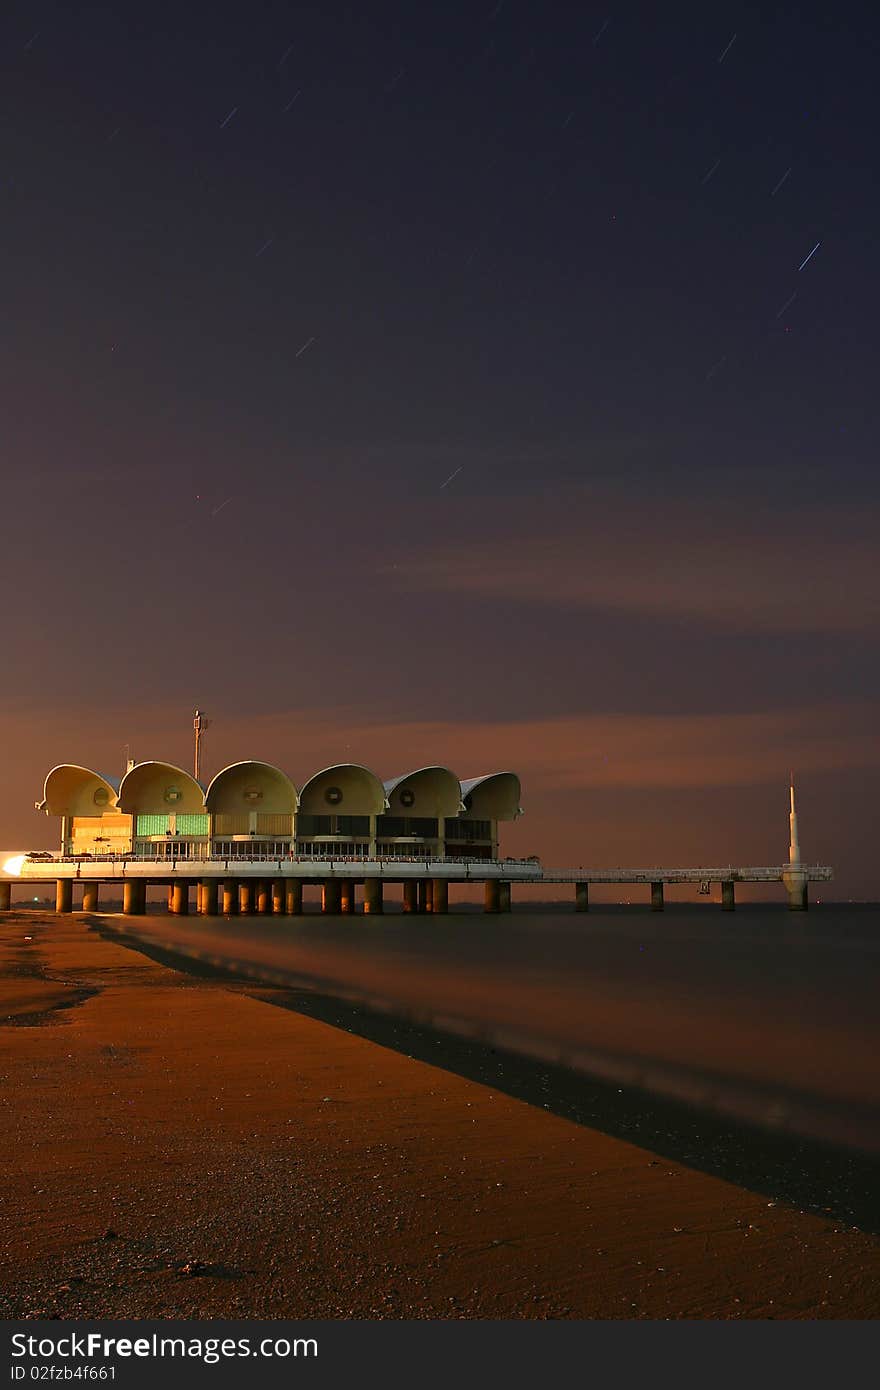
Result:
253,809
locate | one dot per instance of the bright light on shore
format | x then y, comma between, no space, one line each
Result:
14,866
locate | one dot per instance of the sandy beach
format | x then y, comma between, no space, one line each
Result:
177,1145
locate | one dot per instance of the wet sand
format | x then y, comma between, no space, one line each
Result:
175,1146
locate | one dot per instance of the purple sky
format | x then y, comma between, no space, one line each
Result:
458,398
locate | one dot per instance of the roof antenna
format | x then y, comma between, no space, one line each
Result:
200,724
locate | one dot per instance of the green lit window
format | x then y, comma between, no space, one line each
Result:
192,824
152,825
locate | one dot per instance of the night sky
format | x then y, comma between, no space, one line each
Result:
413,383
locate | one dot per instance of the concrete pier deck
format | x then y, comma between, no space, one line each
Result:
242,883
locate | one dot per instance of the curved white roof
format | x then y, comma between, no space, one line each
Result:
379,800
445,775
68,783
155,772
275,773
505,808
68,779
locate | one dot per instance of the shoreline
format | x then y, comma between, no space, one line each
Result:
314,1162
844,1124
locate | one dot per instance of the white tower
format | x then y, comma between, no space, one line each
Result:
793,877
794,848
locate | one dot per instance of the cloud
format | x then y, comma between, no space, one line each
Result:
608,750
570,752
739,567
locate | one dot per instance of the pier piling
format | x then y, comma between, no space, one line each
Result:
373,895
134,897
331,896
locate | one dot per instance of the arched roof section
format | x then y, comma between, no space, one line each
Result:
156,788
429,791
71,790
493,797
346,788
251,786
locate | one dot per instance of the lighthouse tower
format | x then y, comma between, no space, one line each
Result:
794,849
794,877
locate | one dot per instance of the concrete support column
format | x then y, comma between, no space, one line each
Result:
230,897
656,897
90,897
134,897
171,897
797,889
245,896
582,897
208,904
294,896
728,900
423,895
504,897
263,901
346,896
279,902
5,896
331,897
373,895
410,895
491,895
440,896
180,898
64,895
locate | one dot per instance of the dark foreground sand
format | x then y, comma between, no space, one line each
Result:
175,1146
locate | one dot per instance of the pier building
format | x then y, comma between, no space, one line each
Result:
250,839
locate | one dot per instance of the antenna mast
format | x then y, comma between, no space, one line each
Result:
200,724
